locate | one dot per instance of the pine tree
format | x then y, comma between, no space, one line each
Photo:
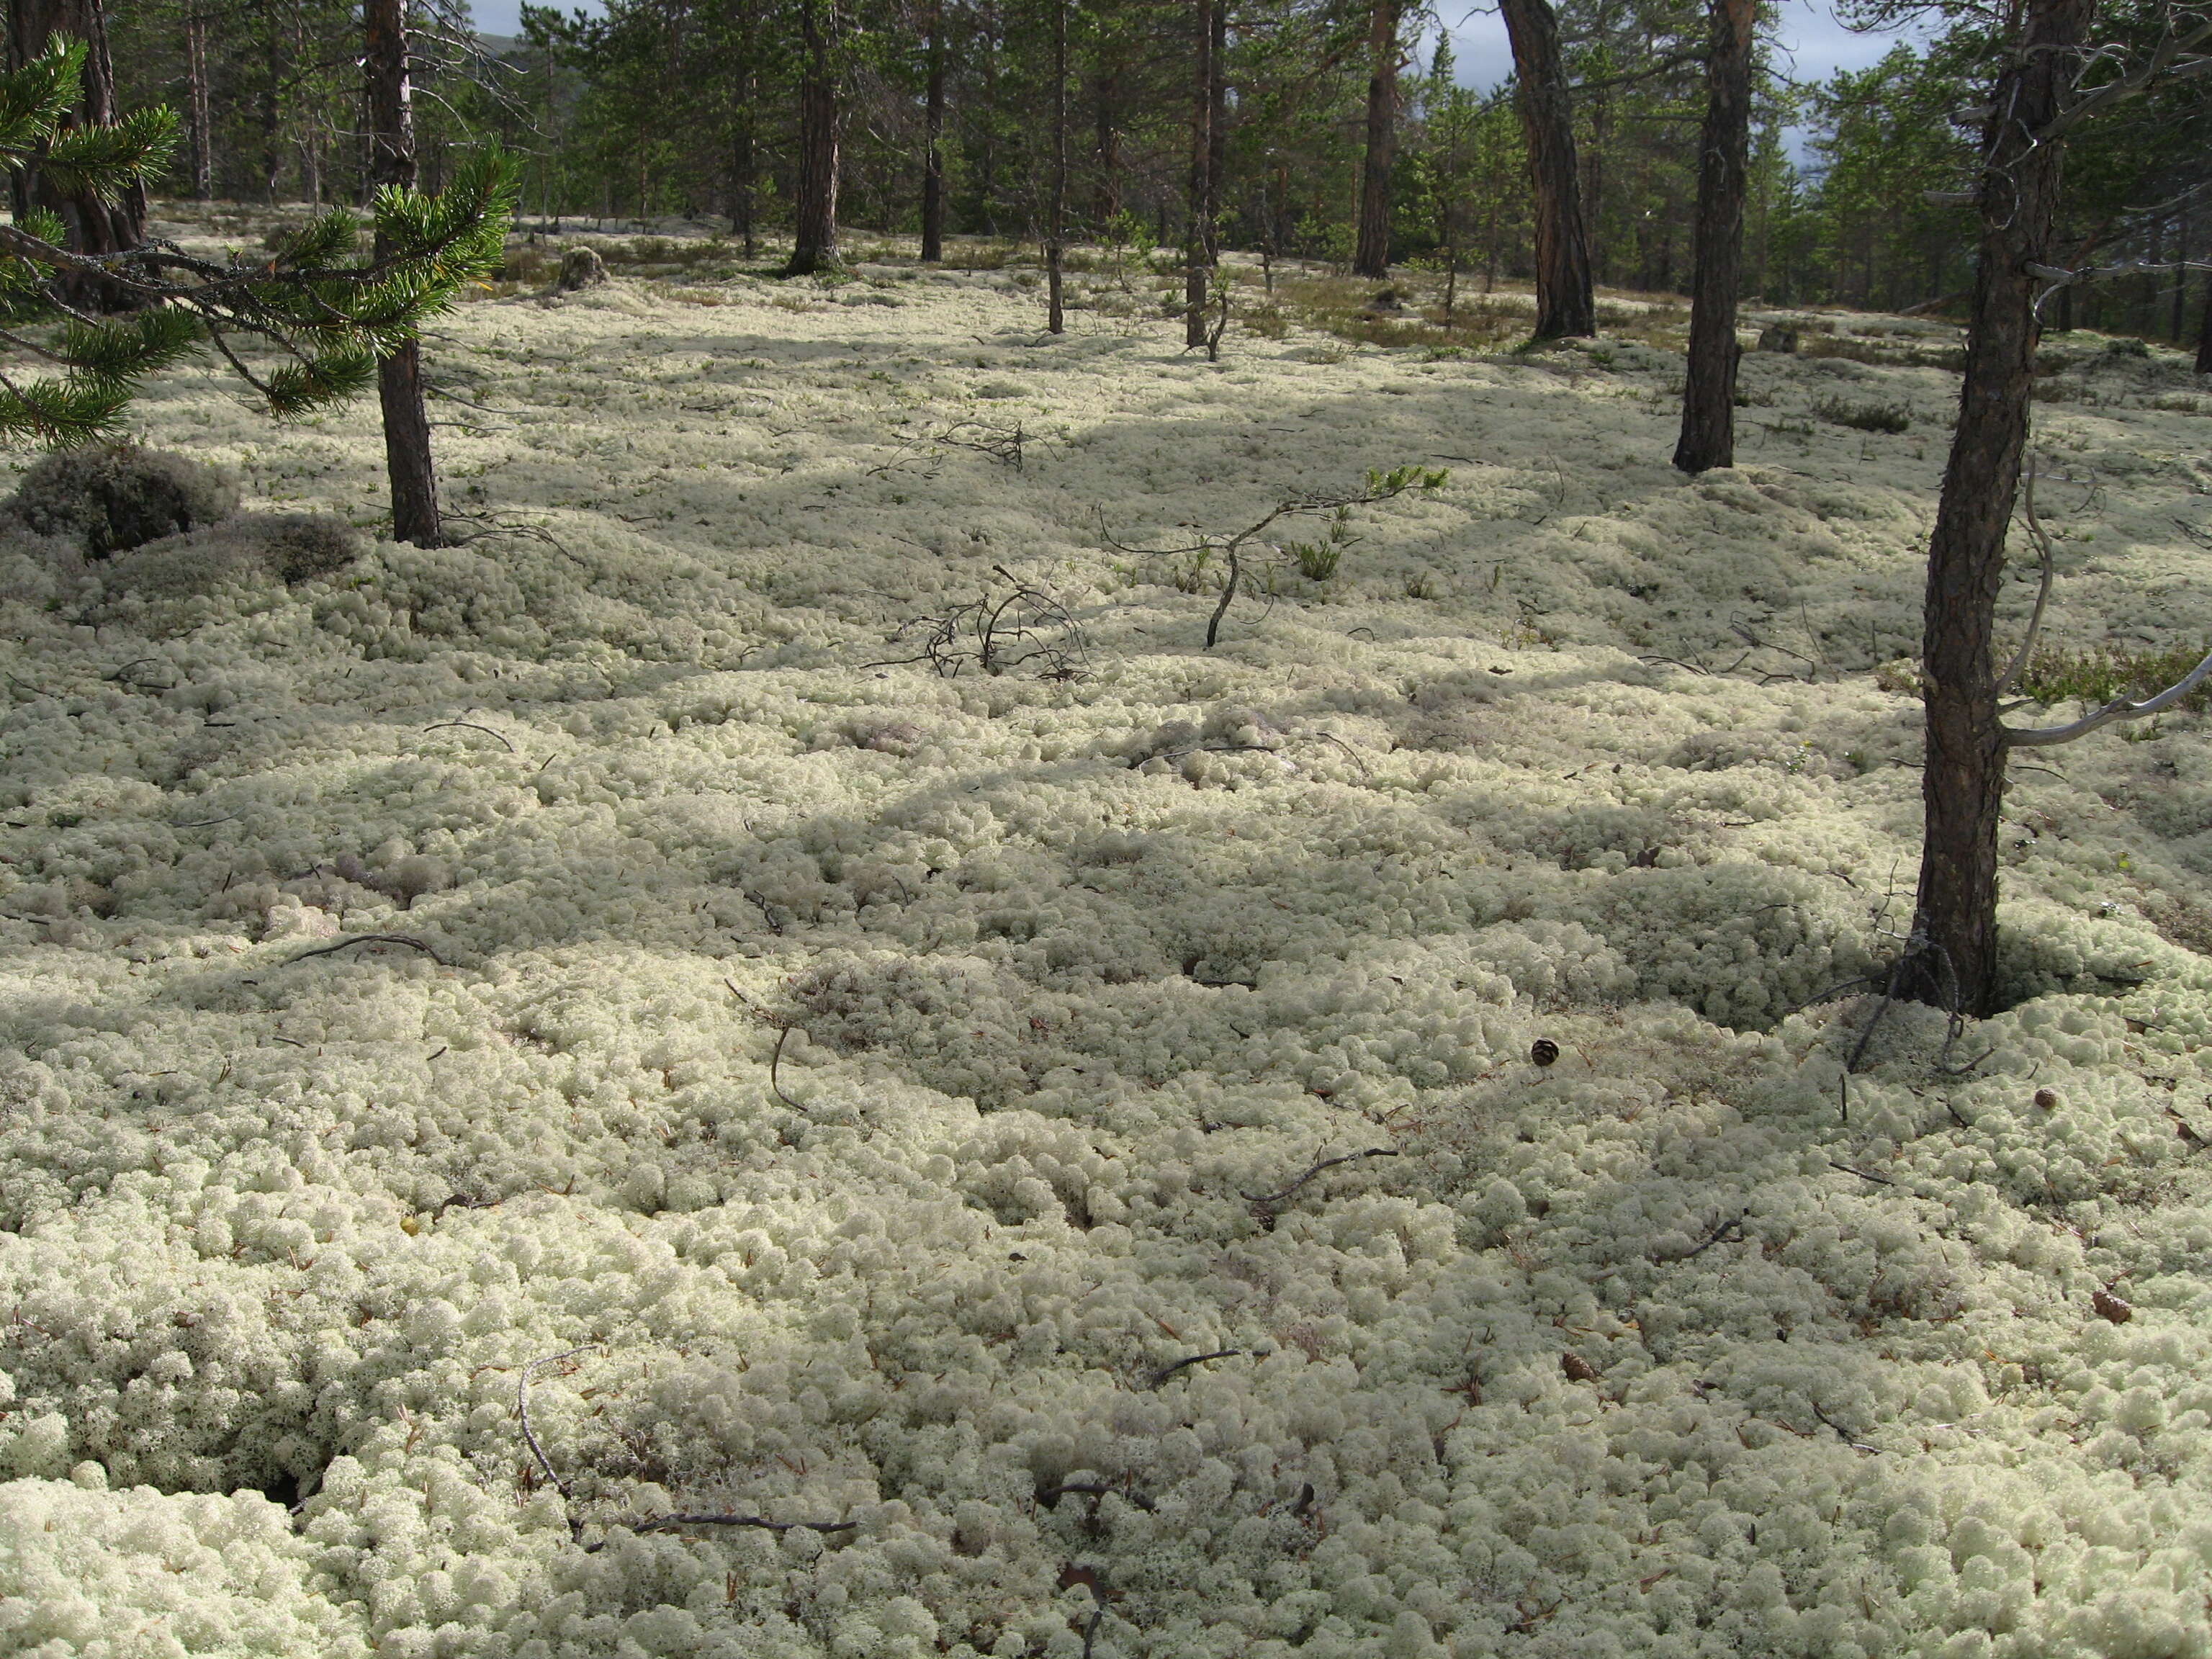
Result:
318,305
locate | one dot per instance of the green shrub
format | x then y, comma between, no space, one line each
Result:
1864,418
2096,676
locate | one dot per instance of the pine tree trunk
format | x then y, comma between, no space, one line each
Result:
272,124
1055,320
744,167
2180,279
415,516
94,226
1107,147
200,145
1372,257
933,154
1708,437
815,230
1217,126
1202,158
1564,304
2204,331
1963,785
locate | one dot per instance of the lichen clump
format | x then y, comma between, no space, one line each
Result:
112,497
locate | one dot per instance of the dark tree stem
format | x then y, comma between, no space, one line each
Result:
932,153
415,515
1055,319
1107,146
1564,306
1199,251
1372,257
94,226
1963,786
814,243
201,135
2204,331
1708,437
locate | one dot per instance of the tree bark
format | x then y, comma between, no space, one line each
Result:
2180,279
1198,261
814,245
415,515
1954,929
932,151
1372,255
93,225
1564,304
1708,437
272,122
1055,320
1107,146
2204,331
200,139
744,169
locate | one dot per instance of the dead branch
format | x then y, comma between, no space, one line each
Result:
1000,632
1379,487
1719,1235
2174,58
441,726
530,1435
1161,1377
1863,1174
2120,708
1326,1163
774,1064
411,942
1002,444
2041,538
670,1522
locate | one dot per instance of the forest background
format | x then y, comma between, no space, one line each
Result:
963,109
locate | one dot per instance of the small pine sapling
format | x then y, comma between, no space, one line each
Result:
324,310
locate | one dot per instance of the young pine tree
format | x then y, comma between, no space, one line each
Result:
317,314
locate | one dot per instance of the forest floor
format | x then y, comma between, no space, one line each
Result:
1068,1146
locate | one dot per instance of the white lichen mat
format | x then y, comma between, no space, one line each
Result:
1678,1346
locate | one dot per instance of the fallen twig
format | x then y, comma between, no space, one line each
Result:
775,1065
439,725
1841,1434
530,1435
1326,1163
1719,1235
1879,1181
408,940
669,1522
1161,1375
1833,990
